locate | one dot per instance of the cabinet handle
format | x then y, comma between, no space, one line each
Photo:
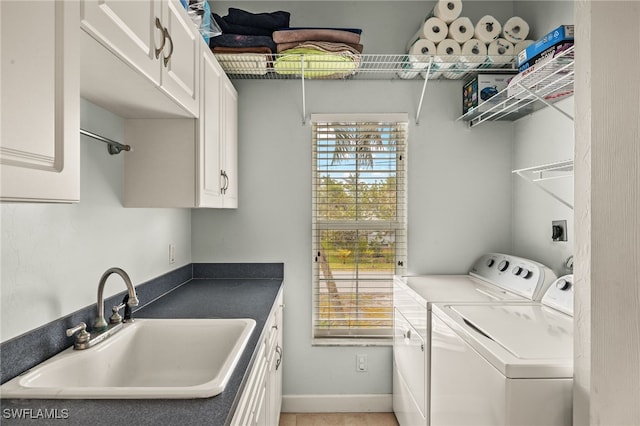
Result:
279,352
225,185
168,58
164,37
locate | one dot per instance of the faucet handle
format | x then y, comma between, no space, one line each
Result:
115,317
82,337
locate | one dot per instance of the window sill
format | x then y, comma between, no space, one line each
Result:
351,342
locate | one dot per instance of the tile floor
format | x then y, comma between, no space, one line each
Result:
338,419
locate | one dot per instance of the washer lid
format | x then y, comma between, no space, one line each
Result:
520,340
458,288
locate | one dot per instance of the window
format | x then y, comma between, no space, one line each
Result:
359,223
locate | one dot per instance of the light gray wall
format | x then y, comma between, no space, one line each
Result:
541,138
54,254
459,205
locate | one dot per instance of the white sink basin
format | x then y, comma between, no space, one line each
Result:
149,358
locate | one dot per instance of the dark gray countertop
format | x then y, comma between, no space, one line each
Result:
198,298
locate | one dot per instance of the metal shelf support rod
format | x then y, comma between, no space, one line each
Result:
424,88
113,147
543,100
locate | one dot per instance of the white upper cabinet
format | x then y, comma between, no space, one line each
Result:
178,162
157,39
40,111
180,59
230,143
218,159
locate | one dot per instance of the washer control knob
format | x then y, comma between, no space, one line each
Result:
503,265
563,285
517,270
490,262
526,274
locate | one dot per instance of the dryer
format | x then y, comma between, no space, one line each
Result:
504,364
494,277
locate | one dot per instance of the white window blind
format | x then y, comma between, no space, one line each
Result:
359,223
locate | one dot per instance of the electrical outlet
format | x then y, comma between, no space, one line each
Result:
361,363
559,230
172,253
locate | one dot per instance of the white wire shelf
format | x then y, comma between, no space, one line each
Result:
256,66
304,67
560,169
538,174
538,87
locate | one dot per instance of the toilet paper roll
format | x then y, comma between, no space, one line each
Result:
461,30
418,59
448,48
515,29
433,29
447,10
423,47
487,29
473,55
521,45
500,51
448,52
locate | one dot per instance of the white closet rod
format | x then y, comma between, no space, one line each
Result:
113,147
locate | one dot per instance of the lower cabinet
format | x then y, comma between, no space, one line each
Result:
261,398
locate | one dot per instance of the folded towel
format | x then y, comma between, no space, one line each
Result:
231,28
318,34
318,60
285,46
240,50
331,47
351,30
239,40
267,20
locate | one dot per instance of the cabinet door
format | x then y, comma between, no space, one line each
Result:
230,142
40,148
209,152
180,57
127,28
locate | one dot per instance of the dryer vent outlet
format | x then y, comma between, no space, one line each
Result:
559,230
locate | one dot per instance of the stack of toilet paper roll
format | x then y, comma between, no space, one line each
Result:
454,45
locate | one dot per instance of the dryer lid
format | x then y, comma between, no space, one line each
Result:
458,288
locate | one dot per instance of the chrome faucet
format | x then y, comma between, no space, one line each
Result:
101,330
100,323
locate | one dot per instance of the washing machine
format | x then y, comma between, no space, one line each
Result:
493,278
504,364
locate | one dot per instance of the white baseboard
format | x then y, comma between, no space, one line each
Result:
337,403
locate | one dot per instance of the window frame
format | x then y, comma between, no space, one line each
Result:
399,224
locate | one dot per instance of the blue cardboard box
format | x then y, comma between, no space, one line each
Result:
552,52
562,34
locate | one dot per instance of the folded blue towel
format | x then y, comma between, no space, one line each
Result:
230,28
267,20
241,40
